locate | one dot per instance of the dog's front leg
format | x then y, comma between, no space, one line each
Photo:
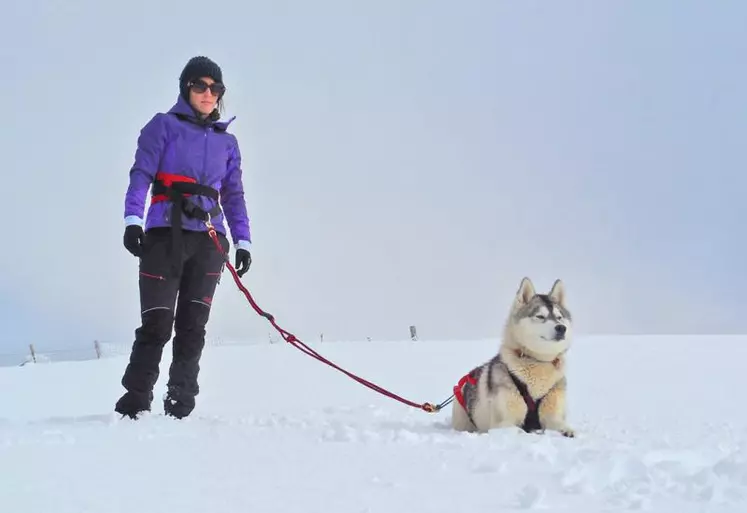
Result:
552,411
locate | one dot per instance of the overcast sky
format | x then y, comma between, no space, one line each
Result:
405,162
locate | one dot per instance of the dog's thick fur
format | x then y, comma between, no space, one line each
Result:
536,336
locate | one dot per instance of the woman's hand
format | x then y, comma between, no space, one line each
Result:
133,239
243,261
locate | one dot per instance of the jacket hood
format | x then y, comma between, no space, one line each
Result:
184,110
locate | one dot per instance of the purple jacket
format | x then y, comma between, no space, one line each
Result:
172,144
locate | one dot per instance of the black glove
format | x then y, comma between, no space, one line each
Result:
243,261
133,239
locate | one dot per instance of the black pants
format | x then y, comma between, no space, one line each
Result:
171,299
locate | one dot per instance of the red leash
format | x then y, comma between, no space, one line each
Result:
293,340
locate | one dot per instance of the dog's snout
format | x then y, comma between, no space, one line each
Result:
560,329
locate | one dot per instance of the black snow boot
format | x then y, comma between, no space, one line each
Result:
132,405
178,404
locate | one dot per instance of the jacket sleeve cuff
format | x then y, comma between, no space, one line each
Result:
244,244
129,220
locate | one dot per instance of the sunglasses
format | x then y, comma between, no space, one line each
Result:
200,86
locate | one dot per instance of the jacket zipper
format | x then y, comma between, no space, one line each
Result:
204,157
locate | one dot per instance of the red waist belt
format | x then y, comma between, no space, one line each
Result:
177,188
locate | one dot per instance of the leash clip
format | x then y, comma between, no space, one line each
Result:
430,408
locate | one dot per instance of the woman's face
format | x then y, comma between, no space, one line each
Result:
204,94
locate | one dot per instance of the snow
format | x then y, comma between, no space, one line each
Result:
660,427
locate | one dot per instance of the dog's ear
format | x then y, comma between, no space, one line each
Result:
525,293
557,293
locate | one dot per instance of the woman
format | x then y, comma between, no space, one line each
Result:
194,167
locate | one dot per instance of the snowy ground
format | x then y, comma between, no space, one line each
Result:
659,420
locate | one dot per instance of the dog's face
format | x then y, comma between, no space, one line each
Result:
541,323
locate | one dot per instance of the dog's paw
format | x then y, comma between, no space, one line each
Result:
560,427
568,433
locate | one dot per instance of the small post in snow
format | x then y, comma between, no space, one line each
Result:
33,353
413,333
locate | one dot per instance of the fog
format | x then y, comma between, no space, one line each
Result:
404,162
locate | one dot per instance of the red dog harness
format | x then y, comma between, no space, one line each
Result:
531,419
471,378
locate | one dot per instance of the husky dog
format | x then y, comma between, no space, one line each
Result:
524,385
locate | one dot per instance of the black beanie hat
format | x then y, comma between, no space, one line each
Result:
198,67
